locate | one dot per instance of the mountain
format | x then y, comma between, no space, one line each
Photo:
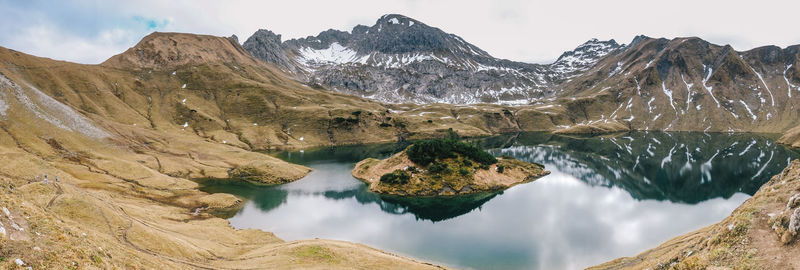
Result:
400,60
600,86
689,84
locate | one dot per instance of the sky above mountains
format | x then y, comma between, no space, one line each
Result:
90,31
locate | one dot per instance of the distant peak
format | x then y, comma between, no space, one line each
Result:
396,19
266,34
639,38
391,16
594,41
584,56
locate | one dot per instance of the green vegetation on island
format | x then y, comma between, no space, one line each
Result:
444,167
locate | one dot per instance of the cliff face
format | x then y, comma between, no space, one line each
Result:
761,234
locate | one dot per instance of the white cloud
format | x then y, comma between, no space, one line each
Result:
534,31
48,41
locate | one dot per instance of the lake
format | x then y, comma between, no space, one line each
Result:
607,197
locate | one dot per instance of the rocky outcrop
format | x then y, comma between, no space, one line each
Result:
267,46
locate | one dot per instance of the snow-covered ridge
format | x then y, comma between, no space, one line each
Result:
584,56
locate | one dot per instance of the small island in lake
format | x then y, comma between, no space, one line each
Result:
444,167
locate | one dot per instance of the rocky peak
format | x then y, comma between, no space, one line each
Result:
396,34
267,46
584,56
391,34
397,20
638,39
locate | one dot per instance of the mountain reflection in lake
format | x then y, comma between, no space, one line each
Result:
608,196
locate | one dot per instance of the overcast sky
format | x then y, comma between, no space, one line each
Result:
90,31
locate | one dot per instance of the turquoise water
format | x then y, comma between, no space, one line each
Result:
607,197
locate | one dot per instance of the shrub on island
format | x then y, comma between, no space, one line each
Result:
396,177
427,151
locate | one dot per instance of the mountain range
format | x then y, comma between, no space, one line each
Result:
677,84
400,60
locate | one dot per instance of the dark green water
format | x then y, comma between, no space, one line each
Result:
607,197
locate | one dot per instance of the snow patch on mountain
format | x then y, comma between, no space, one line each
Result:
765,85
584,56
334,54
789,85
709,88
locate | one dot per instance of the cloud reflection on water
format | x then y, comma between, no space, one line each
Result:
582,214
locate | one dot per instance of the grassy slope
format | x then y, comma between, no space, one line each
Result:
753,237
123,199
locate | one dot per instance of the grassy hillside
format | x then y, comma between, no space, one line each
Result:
124,141
761,234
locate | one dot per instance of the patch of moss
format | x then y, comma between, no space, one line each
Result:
244,172
96,259
316,254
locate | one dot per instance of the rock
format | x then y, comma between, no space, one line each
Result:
794,201
794,221
447,191
790,234
19,262
266,45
